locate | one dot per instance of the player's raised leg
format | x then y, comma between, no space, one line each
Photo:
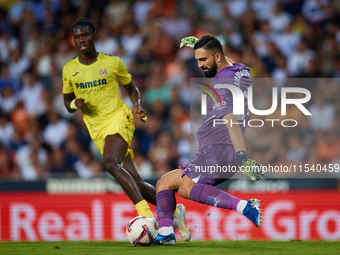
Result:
113,155
210,195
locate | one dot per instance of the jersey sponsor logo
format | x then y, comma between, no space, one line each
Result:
75,74
91,84
90,91
103,72
219,106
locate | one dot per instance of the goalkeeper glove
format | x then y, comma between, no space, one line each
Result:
189,41
249,167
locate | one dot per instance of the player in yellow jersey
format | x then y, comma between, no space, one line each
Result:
91,83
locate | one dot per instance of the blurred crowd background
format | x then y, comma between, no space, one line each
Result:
276,38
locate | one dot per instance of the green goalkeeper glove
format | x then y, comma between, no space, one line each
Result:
249,167
189,41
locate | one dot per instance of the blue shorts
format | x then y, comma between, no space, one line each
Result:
212,165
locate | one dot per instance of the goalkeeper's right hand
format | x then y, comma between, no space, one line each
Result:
249,167
189,41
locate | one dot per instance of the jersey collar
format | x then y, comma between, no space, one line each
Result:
89,63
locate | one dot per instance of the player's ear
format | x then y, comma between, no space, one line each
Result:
95,35
218,57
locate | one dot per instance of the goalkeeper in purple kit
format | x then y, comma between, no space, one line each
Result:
221,145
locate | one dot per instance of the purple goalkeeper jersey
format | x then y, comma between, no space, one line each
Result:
237,75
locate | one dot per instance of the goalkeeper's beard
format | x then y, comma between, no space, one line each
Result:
211,71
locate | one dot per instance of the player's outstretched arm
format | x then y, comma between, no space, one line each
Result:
249,167
72,103
134,95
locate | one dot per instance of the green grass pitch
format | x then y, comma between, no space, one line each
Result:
181,248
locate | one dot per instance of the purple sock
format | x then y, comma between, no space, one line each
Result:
166,206
209,195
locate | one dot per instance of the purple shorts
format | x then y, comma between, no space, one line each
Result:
212,165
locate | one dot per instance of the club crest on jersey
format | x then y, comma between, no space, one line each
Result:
103,72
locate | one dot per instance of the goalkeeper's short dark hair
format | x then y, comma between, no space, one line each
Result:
210,43
84,22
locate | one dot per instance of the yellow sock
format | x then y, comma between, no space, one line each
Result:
143,209
176,211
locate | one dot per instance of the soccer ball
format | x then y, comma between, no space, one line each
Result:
141,231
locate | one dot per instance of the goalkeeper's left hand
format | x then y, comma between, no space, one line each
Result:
189,41
249,167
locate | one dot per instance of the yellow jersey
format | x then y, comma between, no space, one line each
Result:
97,83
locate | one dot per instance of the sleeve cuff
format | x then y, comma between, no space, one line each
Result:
73,104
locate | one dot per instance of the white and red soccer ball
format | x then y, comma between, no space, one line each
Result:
141,231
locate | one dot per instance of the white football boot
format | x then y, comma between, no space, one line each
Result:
183,227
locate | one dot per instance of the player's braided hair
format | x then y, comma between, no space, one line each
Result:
84,22
209,42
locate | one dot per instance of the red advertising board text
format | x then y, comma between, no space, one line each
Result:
29,216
